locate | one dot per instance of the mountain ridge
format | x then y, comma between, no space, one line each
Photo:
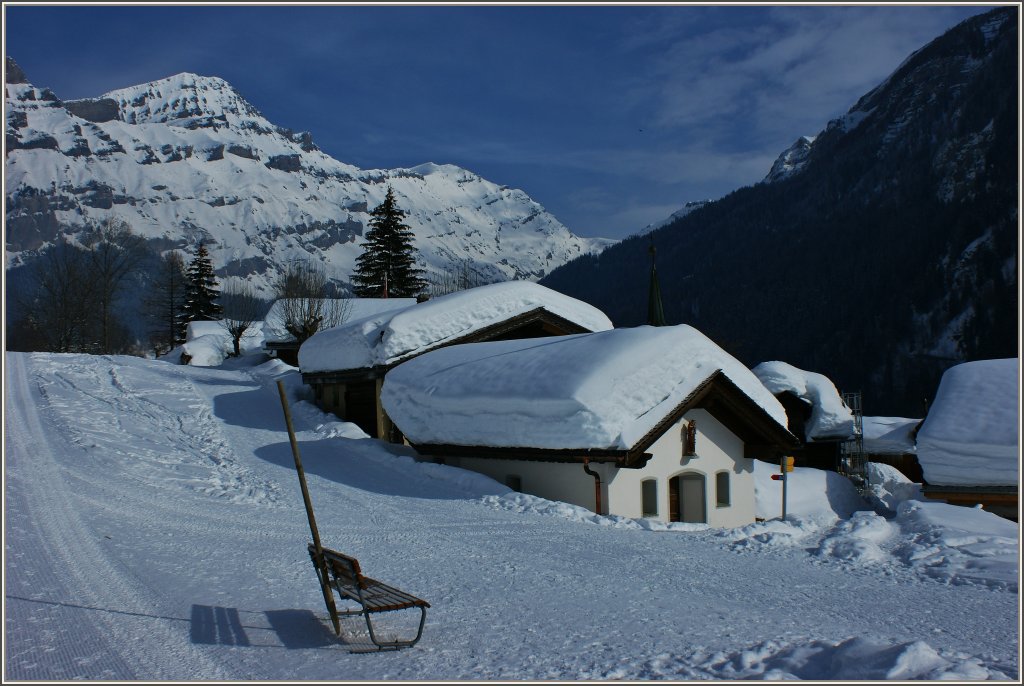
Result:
186,159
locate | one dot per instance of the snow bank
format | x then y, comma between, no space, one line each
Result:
969,437
959,545
208,343
888,487
601,390
206,351
853,659
351,309
828,521
830,417
827,518
812,493
889,435
524,503
389,337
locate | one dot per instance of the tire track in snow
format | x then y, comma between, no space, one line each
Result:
68,567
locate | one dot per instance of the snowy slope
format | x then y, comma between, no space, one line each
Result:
686,209
791,160
187,159
154,530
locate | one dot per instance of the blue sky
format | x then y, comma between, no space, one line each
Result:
612,117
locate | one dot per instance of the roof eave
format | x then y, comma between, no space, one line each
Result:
718,389
621,458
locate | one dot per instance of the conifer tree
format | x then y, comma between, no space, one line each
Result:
202,292
387,267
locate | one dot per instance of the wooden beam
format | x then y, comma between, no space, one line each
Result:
383,420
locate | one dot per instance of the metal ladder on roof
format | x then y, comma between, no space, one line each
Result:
852,460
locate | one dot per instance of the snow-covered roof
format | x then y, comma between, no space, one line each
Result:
889,435
393,336
970,436
603,390
352,309
830,417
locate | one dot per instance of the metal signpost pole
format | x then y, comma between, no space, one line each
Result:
785,480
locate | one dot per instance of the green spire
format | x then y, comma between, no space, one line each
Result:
655,312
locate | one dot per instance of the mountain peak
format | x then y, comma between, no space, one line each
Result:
187,99
792,160
13,73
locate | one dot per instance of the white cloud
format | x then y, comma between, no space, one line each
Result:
787,76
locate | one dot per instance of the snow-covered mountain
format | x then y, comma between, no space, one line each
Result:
187,159
791,160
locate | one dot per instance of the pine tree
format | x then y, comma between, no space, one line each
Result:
202,292
387,267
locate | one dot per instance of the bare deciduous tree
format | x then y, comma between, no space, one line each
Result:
242,308
164,302
113,253
303,300
459,276
59,310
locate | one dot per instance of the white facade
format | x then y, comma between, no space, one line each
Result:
717,452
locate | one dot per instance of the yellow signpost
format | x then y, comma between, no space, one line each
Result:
785,467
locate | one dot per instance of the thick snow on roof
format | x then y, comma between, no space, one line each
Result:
389,337
830,417
351,309
889,435
601,390
970,436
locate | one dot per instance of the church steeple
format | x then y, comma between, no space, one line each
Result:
655,312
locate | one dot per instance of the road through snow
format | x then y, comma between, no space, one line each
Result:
155,531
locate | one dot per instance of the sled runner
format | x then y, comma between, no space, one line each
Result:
372,595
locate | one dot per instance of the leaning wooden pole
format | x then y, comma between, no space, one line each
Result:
325,578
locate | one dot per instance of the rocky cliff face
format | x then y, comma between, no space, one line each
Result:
879,254
187,159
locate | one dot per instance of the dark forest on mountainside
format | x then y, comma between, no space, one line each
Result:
900,230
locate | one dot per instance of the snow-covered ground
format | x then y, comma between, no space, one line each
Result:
154,530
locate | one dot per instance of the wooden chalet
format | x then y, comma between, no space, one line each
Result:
352,391
687,457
